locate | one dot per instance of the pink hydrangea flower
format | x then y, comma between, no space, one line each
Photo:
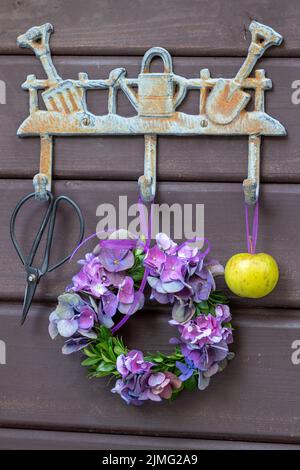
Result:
132,363
163,384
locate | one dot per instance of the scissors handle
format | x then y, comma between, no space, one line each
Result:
45,265
49,219
28,260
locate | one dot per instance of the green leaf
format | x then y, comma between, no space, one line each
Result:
176,393
90,362
105,367
88,352
118,350
190,384
158,359
107,359
93,303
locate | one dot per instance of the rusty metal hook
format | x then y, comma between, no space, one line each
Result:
251,184
42,181
147,182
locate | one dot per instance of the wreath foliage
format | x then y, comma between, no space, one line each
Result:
110,285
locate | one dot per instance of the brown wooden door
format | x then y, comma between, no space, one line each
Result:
256,400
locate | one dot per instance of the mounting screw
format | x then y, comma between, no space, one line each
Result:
86,121
203,123
31,277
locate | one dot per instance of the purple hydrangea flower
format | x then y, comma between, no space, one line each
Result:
104,319
201,286
74,345
126,291
72,316
188,253
223,313
204,329
183,310
93,278
131,389
162,384
180,275
132,363
155,258
139,384
186,368
165,243
127,308
204,344
173,269
115,260
103,276
207,356
86,318
109,303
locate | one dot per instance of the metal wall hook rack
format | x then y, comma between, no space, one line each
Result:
155,97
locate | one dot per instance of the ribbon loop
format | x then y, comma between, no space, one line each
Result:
251,238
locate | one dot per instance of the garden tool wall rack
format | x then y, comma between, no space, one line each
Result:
155,97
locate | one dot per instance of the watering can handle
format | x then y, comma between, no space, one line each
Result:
160,52
181,90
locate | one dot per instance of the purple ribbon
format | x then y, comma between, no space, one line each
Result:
147,230
135,243
251,238
128,245
147,270
193,240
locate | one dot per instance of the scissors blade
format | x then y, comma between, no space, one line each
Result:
32,282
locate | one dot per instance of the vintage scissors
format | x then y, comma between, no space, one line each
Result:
33,273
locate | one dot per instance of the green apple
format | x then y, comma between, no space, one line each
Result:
251,275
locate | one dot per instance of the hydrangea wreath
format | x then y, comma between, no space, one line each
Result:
111,281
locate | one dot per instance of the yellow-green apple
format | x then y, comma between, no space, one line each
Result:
251,275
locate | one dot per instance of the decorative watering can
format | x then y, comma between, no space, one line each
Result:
158,94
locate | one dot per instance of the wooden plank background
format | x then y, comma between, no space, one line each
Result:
46,401
190,27
56,440
253,399
223,224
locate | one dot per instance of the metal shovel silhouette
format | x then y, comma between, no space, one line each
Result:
226,100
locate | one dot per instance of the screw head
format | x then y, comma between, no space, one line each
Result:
31,277
86,121
203,123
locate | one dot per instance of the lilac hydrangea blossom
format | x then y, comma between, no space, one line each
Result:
180,275
104,277
132,363
98,291
139,383
204,343
162,384
116,260
72,315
